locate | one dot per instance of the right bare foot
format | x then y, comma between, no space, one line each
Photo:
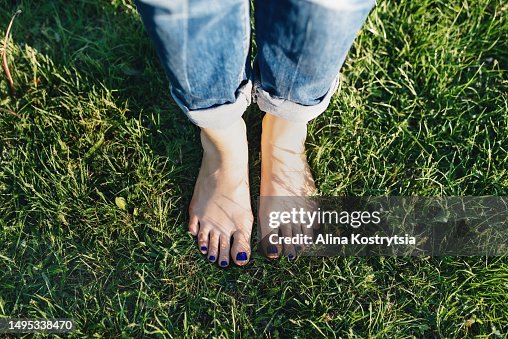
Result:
220,208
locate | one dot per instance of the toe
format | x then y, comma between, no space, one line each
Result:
224,250
240,251
307,231
213,246
193,224
287,232
271,250
203,239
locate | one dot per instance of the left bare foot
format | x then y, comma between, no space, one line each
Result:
284,173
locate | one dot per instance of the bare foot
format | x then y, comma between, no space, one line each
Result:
284,173
220,211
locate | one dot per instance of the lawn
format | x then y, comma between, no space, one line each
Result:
97,167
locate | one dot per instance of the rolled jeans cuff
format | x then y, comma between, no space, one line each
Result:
290,110
220,116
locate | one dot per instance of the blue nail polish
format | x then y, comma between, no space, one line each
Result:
242,256
211,258
223,263
291,257
272,249
203,248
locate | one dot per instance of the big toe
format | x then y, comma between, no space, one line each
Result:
271,250
240,251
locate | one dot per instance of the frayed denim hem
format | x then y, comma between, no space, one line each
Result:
290,110
221,116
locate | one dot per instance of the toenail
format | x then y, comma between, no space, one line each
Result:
291,257
272,249
242,256
211,258
223,263
203,248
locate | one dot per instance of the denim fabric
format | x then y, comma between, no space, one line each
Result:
204,46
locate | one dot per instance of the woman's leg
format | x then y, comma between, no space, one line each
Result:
204,46
302,45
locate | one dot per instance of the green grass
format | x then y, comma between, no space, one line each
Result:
422,111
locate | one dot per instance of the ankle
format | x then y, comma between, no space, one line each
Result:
226,146
283,135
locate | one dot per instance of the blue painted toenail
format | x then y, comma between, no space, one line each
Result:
203,248
211,258
223,263
291,257
272,249
242,256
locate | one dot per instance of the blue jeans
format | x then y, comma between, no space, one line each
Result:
204,46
